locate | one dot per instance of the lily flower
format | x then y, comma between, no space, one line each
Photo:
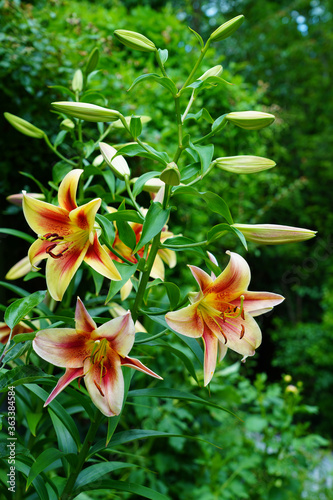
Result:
67,235
166,255
222,313
5,331
97,354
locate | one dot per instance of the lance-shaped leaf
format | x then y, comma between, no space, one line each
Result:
161,80
155,220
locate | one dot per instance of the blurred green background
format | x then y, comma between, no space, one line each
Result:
279,61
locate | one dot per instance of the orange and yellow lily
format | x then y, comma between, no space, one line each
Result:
67,235
222,313
97,354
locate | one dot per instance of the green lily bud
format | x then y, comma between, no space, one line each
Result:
135,40
92,61
24,127
67,124
77,82
171,175
227,29
17,199
215,71
250,120
85,111
118,165
244,164
273,234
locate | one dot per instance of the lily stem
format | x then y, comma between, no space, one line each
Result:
68,492
50,145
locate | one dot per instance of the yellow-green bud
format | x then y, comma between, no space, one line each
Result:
171,175
227,29
273,234
135,40
215,71
118,164
250,120
67,124
92,61
287,378
20,269
292,389
244,164
24,127
77,82
85,111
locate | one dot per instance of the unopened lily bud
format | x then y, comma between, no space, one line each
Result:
118,164
215,71
273,234
20,269
227,29
85,111
244,164
98,161
17,199
171,175
77,82
24,127
287,378
135,40
92,61
135,126
250,120
292,388
67,124
153,185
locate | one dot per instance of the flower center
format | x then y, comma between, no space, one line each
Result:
229,312
55,239
98,356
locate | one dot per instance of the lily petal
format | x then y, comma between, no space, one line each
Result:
187,321
62,347
158,271
203,279
137,365
105,389
168,256
119,332
210,343
241,340
70,374
60,271
222,351
233,281
45,218
37,252
83,320
100,260
68,188
83,217
257,303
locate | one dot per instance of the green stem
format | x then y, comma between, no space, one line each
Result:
50,145
145,276
158,335
190,102
198,244
197,64
130,194
67,493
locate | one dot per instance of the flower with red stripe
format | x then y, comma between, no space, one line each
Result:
222,313
67,235
96,354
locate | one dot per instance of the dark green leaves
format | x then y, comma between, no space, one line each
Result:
155,220
161,80
214,202
21,307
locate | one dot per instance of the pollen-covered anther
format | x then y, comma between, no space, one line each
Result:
242,332
99,388
53,255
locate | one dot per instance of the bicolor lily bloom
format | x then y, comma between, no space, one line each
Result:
164,255
97,354
222,313
67,235
5,331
